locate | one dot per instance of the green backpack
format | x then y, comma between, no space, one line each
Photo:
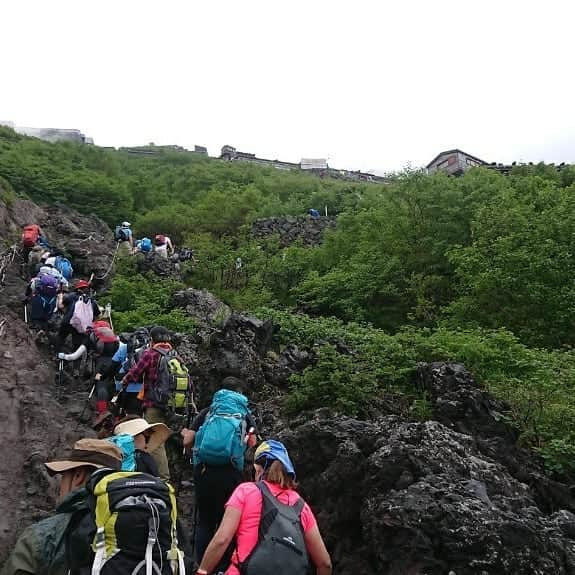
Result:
173,388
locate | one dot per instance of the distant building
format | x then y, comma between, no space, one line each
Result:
53,134
318,167
232,155
453,162
201,150
313,164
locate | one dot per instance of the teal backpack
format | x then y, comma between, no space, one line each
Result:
220,440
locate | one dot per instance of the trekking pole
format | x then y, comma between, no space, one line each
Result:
25,312
86,406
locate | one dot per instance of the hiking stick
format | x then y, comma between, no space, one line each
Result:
86,406
25,312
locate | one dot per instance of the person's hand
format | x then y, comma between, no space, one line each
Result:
98,377
188,436
61,355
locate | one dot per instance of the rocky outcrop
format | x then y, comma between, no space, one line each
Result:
206,309
395,497
235,345
155,263
291,229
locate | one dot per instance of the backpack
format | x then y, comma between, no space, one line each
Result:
281,546
220,440
129,527
43,302
146,245
64,266
121,234
30,235
160,240
186,254
46,285
83,314
173,388
52,272
125,443
100,335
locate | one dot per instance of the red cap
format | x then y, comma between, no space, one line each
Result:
81,284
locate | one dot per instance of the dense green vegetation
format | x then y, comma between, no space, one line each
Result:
476,269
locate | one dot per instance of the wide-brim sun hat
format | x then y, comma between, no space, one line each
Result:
159,431
274,450
88,452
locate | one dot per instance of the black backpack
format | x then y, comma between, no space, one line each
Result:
129,526
281,547
120,234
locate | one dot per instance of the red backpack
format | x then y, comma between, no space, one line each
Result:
30,235
101,334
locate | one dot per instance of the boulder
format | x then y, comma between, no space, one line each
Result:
202,306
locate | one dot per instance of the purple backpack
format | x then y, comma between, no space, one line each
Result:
47,286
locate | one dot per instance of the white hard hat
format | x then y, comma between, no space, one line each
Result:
126,224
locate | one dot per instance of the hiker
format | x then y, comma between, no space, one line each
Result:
40,549
123,235
80,310
42,297
218,456
127,355
154,369
35,259
183,255
145,438
101,341
313,213
52,271
273,496
143,246
31,236
163,245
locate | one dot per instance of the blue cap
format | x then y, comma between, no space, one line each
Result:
272,449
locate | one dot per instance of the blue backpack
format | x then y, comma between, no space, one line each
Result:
125,443
146,245
220,440
64,266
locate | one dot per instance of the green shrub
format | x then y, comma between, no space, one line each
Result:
336,381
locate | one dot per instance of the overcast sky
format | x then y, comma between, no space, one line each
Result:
368,84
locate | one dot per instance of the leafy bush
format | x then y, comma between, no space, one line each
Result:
139,300
336,381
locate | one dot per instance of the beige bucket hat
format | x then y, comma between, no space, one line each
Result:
159,432
88,452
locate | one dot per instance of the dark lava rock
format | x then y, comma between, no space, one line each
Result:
291,229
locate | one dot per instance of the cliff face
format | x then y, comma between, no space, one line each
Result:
39,415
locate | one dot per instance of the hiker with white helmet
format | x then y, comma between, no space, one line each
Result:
123,235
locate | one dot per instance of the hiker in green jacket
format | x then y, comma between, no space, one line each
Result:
40,549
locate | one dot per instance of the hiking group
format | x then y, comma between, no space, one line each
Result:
118,514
